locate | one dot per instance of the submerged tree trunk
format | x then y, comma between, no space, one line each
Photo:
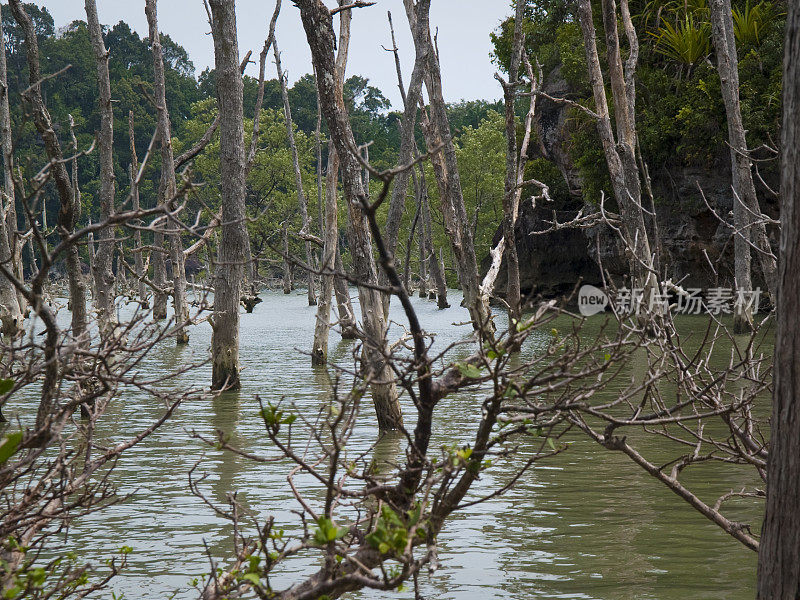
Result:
329,234
133,170
234,240
445,165
168,188
779,548
318,25
331,259
298,177
68,214
348,327
620,153
287,268
513,294
749,229
13,259
103,275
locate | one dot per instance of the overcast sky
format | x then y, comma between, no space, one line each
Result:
464,45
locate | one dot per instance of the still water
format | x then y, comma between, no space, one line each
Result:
587,524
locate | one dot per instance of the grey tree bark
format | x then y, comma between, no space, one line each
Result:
749,229
302,201
12,310
249,290
168,188
318,25
234,239
331,259
779,547
445,165
513,164
408,143
68,213
133,170
620,153
103,275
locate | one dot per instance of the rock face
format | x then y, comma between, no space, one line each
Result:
694,247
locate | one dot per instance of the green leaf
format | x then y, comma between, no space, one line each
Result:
469,371
6,385
551,443
9,446
252,578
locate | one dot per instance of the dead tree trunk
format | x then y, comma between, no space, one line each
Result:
10,313
133,171
318,25
9,201
234,240
445,164
67,215
298,177
513,294
168,189
620,152
749,228
287,267
103,275
408,143
348,328
249,285
331,259
779,548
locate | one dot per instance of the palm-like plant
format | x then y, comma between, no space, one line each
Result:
750,23
688,42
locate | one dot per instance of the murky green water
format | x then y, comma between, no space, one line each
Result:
586,524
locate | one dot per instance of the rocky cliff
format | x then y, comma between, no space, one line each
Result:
694,246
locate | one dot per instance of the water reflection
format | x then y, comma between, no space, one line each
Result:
587,524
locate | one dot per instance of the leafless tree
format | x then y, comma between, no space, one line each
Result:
168,188
620,151
445,166
133,173
234,238
67,216
779,554
104,296
302,201
318,25
749,226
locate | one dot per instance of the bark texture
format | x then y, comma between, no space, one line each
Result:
318,25
302,201
103,274
620,153
10,248
445,166
133,173
234,239
749,229
779,548
68,211
168,188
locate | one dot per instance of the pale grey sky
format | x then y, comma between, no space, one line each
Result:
464,45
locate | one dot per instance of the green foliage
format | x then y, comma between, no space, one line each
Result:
392,530
9,445
679,111
751,22
687,43
326,531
